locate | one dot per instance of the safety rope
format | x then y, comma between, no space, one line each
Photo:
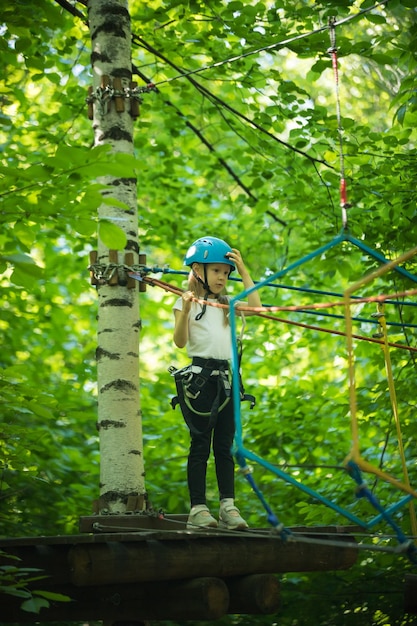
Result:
343,188
143,270
259,533
354,462
272,518
263,309
354,454
264,312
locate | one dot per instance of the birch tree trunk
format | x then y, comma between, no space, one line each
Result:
119,417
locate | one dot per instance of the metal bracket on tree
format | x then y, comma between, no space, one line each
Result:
115,273
112,90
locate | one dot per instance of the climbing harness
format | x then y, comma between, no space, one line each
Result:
192,384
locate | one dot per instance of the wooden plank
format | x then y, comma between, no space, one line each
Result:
133,532
102,564
96,570
118,523
88,560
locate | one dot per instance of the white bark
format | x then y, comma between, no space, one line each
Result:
119,418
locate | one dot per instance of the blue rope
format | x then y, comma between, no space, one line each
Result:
356,319
271,517
379,257
327,293
364,492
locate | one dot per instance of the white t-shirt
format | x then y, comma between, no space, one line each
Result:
209,337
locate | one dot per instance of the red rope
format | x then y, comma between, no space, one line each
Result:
264,311
333,54
337,332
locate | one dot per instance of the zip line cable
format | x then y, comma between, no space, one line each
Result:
280,44
184,73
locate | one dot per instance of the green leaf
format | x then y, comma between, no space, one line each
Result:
115,203
34,605
40,409
112,235
375,18
25,275
15,592
20,259
400,113
51,595
86,227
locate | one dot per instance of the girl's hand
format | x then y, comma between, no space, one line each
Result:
236,258
187,298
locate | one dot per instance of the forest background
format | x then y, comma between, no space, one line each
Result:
240,140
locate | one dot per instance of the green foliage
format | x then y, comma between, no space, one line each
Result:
16,580
246,148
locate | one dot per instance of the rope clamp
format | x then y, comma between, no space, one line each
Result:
112,90
377,315
114,272
246,470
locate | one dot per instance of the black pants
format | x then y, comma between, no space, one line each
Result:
220,437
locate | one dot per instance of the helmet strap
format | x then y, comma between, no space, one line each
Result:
202,282
206,287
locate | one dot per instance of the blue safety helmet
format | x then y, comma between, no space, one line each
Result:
209,250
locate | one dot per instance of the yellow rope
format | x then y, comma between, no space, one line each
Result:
391,386
355,452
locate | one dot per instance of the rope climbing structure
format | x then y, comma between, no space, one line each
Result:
354,462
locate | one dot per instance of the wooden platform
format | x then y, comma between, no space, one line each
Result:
137,567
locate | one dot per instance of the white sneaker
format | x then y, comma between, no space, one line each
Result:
230,518
200,517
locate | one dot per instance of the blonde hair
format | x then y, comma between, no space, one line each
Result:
195,286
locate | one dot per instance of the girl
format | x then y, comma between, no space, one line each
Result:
204,390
